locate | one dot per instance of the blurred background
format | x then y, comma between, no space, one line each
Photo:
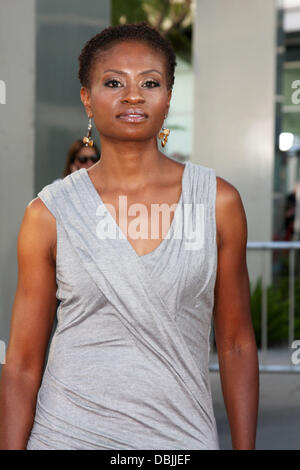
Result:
235,107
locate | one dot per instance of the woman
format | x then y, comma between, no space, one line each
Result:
128,363
80,156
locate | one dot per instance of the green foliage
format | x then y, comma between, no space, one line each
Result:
132,10
173,20
278,311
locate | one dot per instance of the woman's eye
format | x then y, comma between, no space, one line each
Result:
111,81
153,83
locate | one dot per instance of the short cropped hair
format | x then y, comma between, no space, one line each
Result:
112,35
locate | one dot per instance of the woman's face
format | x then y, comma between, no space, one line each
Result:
129,76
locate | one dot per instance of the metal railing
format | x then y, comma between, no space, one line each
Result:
266,247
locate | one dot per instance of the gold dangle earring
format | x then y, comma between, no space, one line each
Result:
87,139
163,135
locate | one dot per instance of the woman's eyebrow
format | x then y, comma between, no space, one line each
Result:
141,73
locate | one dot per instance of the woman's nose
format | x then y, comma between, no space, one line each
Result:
133,94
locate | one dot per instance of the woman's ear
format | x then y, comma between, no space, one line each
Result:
86,100
169,99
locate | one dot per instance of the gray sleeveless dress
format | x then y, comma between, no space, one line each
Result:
128,362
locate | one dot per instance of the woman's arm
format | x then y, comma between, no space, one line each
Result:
31,323
235,339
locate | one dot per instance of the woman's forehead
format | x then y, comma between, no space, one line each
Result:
129,54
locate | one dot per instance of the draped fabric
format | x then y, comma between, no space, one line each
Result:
128,362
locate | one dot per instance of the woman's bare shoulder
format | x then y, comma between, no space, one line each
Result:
38,227
36,209
226,192
230,212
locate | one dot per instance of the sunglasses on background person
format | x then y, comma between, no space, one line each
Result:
83,159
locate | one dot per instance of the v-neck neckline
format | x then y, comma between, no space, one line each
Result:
98,198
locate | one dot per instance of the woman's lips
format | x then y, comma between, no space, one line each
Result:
132,117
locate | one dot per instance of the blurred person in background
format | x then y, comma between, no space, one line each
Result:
80,156
292,215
